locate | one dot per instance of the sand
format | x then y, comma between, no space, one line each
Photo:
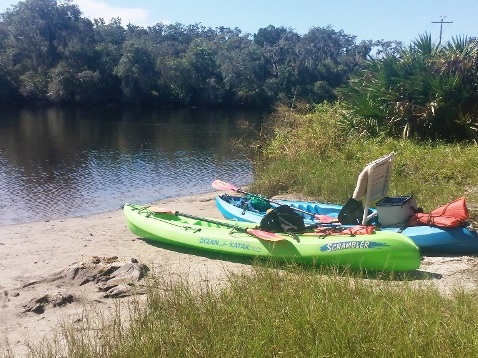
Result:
41,263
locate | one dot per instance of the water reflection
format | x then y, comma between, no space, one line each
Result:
69,162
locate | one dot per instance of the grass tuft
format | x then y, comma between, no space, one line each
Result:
288,311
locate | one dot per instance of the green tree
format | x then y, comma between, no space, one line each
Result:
280,62
137,71
327,60
43,34
8,90
110,38
242,68
50,52
426,92
204,82
311,67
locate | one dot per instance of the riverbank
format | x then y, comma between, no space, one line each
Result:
35,256
44,277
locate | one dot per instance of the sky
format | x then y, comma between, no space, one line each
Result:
402,20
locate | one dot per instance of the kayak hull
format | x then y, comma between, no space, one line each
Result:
431,240
380,251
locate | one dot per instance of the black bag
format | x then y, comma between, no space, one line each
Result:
282,219
351,213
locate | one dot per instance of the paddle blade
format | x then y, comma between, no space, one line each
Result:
222,185
265,235
326,219
159,210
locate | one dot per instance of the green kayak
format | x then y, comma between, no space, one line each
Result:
379,251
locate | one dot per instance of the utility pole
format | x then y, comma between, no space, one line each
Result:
441,22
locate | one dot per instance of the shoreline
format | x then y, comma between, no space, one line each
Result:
32,256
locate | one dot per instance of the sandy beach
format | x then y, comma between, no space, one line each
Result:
44,281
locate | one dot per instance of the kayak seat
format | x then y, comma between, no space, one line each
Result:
372,184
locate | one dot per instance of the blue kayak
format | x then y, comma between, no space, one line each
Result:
431,240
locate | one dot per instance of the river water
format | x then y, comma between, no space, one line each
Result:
64,162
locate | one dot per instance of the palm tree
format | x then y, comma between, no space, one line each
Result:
426,91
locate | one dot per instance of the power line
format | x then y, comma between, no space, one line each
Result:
441,22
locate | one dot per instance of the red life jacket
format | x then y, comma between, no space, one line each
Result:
454,214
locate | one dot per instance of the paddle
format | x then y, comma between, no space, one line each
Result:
221,185
264,235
